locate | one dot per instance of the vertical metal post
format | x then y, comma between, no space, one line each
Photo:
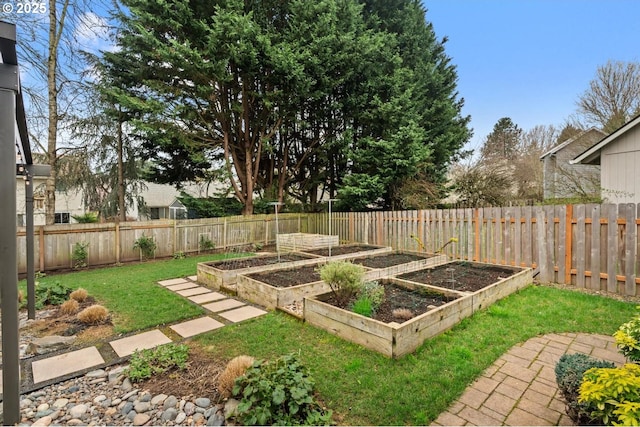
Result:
8,260
330,219
31,273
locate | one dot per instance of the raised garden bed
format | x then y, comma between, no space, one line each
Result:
396,339
341,251
305,241
279,288
223,274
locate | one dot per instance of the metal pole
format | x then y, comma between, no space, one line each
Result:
31,275
275,205
330,200
8,260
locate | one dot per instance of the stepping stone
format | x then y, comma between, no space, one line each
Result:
208,297
193,291
127,346
172,281
67,363
181,286
193,278
196,326
243,313
223,305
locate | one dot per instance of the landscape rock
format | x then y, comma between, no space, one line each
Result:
49,343
141,419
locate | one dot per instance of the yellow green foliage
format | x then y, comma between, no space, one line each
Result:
613,394
628,339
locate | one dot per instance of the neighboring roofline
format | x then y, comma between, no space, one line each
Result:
560,146
592,153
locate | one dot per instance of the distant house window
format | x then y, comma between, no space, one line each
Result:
62,218
154,213
20,220
38,203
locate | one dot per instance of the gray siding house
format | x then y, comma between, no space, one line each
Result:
565,180
618,156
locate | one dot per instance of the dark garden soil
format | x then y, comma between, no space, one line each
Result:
341,250
290,277
400,304
460,276
387,260
238,263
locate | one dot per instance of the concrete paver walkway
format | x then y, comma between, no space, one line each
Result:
221,305
520,389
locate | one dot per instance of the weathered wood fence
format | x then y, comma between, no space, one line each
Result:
592,246
111,243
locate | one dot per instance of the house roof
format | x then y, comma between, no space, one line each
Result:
569,141
592,154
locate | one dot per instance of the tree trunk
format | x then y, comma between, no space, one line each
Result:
122,211
52,93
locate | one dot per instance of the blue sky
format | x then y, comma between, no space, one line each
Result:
531,59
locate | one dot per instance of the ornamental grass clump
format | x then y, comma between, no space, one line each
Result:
93,315
234,369
79,295
69,307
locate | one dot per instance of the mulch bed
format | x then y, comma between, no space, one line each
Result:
238,263
287,278
397,297
460,276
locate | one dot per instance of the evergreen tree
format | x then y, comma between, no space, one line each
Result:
502,143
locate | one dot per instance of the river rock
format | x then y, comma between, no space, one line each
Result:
169,415
141,419
78,411
203,402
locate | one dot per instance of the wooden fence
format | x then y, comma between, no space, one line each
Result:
111,243
590,246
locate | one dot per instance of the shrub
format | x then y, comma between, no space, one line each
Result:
570,370
278,393
628,339
613,394
93,315
363,306
234,369
79,295
146,363
344,278
206,244
179,255
69,307
374,291
80,255
146,245
86,218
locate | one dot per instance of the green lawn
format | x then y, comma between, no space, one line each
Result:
361,387
131,293
365,388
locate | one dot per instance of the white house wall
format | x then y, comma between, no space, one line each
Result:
620,163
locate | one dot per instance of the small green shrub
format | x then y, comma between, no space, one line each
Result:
206,244
179,255
146,245
278,393
613,394
146,363
344,278
374,291
80,255
570,370
51,294
628,339
363,306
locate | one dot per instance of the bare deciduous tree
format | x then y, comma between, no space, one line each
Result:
613,97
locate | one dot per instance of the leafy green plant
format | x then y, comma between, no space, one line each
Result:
363,306
80,255
613,394
206,244
179,255
51,294
570,370
146,245
628,339
146,363
279,392
344,279
86,218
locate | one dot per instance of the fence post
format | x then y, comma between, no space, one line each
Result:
41,246
568,244
224,234
117,239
